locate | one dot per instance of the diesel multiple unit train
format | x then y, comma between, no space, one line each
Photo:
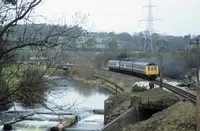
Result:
144,69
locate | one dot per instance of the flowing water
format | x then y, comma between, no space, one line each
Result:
64,99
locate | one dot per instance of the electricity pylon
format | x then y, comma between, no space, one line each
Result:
150,26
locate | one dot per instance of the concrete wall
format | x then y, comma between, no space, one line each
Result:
129,117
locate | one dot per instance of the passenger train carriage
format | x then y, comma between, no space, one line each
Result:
145,69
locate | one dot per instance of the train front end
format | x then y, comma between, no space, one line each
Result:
152,71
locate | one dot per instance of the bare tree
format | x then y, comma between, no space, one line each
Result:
15,37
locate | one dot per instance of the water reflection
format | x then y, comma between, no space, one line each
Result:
88,90
73,95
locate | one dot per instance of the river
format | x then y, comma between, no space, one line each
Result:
67,97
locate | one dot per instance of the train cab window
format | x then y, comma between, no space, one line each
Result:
149,68
152,68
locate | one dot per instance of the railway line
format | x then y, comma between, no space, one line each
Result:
185,94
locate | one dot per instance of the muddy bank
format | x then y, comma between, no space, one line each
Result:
106,84
93,81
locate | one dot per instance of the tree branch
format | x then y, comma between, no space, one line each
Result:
30,7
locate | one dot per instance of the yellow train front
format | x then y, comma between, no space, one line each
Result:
152,71
148,70
144,69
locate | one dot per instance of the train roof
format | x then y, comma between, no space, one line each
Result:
145,63
138,63
127,62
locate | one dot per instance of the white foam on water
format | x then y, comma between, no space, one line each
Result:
35,124
93,122
49,117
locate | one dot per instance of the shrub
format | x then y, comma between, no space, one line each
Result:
137,88
32,87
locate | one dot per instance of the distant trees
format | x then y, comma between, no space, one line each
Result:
136,41
111,34
89,43
124,37
112,45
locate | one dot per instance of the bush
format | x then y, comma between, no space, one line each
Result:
83,68
137,88
85,72
101,60
32,87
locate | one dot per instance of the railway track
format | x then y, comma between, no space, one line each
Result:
189,96
185,94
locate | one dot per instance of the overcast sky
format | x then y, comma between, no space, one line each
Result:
179,17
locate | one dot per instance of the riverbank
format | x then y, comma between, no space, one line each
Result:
94,81
88,76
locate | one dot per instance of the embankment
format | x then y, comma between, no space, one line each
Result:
106,79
